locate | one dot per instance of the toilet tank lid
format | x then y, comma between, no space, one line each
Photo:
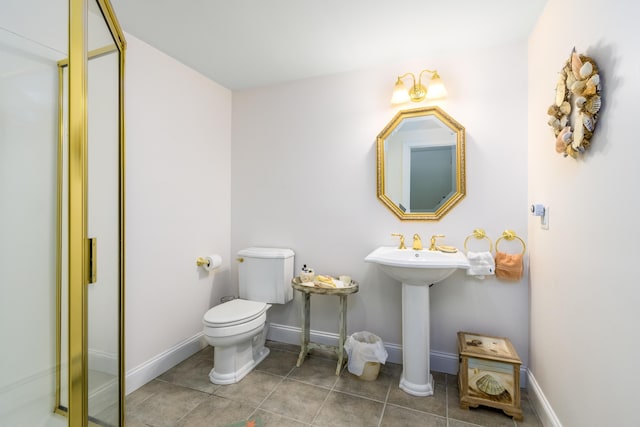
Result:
258,252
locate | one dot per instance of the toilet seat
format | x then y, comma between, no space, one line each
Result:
234,312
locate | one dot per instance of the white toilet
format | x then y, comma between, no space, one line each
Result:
236,329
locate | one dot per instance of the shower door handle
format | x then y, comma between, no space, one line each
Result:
93,260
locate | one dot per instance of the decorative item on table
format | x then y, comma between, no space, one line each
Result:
346,280
329,282
307,274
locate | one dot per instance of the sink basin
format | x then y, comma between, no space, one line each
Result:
423,267
416,270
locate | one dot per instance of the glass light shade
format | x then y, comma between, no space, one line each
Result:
436,88
400,94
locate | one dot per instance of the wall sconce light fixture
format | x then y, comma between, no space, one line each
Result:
418,91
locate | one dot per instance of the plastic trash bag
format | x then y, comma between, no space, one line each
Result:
363,347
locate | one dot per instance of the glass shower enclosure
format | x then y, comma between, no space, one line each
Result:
61,214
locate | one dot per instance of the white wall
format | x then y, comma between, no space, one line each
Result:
584,294
178,126
304,176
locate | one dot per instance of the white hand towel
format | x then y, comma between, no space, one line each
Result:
482,264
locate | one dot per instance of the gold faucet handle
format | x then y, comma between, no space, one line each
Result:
432,247
417,242
401,246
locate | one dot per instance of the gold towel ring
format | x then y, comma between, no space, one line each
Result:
510,235
478,233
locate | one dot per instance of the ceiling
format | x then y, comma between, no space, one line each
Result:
242,44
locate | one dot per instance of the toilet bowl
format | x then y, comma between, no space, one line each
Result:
236,331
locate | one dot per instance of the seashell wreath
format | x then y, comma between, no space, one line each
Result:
578,78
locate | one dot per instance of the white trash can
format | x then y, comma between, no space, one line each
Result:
365,351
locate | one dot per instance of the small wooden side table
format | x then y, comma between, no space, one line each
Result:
305,344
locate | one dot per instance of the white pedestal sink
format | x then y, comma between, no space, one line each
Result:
416,270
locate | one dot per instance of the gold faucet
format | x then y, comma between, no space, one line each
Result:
433,247
402,246
417,243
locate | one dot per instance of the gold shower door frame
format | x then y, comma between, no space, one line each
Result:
78,240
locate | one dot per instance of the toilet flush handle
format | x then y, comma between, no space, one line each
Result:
240,259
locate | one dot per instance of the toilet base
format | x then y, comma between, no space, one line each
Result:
222,378
234,357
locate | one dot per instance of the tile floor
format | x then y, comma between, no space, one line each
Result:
282,395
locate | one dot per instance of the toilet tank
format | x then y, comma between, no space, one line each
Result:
264,274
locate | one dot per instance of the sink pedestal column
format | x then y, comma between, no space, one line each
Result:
416,376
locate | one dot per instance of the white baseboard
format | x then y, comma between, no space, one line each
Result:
103,361
444,362
28,401
540,404
147,371
440,361
103,396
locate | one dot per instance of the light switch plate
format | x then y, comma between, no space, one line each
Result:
544,219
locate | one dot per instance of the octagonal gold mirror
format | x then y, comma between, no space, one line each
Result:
421,164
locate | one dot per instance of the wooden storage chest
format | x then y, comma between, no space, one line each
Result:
489,373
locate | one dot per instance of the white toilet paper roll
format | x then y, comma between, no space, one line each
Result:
213,262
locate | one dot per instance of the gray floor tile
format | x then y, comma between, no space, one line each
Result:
295,400
252,389
168,404
435,404
192,373
342,409
392,369
278,362
452,380
439,378
216,411
456,423
323,354
274,420
282,395
320,372
143,393
292,348
205,353
136,423
530,419
394,416
376,389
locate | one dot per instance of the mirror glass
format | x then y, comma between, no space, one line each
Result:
421,164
